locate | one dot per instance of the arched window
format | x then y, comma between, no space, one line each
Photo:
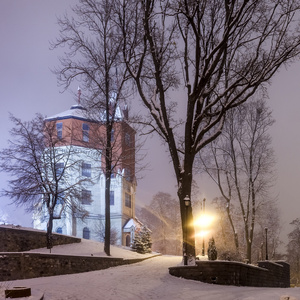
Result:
86,233
59,230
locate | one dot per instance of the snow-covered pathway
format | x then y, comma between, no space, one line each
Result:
145,281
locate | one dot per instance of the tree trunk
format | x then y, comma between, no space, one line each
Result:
110,111
107,216
235,235
248,243
108,163
49,231
187,220
249,251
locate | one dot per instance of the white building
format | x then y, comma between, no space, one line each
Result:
83,135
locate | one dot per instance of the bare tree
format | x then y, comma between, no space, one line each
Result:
94,43
242,164
293,251
41,165
268,217
226,231
100,232
162,217
220,52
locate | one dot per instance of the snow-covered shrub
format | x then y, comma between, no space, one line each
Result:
212,250
230,255
142,241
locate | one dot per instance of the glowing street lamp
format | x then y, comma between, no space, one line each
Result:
203,223
203,241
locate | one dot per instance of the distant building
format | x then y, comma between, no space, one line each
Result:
84,134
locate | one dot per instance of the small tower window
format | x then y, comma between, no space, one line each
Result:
85,132
127,200
59,127
112,135
127,139
127,174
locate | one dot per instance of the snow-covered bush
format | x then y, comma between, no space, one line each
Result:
142,241
230,255
212,250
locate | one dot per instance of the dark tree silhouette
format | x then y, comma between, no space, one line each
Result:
220,53
41,171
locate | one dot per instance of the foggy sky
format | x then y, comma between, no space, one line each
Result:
27,86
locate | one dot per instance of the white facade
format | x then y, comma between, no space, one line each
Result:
88,168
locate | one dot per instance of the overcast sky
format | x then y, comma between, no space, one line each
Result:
27,86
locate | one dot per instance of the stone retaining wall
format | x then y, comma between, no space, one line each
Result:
30,265
267,274
279,272
21,239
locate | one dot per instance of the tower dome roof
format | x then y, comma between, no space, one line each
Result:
77,111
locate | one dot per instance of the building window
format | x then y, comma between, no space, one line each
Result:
85,132
127,139
59,230
112,135
127,187
59,127
127,200
127,174
86,233
59,169
112,198
86,170
86,197
61,198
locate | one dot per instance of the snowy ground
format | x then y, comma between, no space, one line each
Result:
89,247
142,281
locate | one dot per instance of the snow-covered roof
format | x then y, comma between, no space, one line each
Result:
79,112
76,111
135,223
120,114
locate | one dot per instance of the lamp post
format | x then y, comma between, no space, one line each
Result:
203,242
187,203
266,230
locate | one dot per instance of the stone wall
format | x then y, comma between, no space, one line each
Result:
21,239
14,264
279,272
30,265
267,274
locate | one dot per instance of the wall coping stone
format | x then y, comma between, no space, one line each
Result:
226,262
